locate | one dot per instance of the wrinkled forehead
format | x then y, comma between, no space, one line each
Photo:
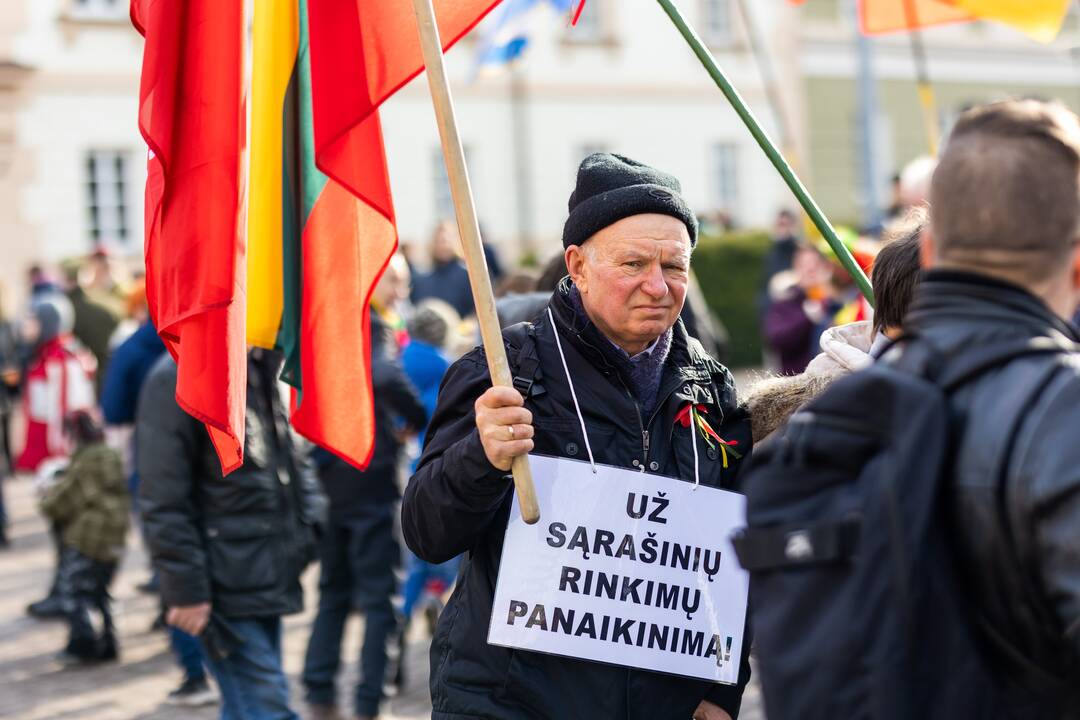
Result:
649,235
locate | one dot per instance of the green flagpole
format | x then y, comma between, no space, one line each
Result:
770,149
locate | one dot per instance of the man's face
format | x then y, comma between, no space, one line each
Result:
785,226
445,243
393,286
632,277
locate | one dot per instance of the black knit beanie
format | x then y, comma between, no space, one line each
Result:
612,187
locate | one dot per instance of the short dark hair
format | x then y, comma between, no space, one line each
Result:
897,269
83,428
1005,198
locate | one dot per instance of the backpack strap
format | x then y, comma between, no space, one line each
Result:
764,549
523,358
977,363
921,358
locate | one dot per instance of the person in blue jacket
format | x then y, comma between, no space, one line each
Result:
425,363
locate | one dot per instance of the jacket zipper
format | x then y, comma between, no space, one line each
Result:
641,426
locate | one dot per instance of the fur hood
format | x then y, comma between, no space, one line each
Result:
773,399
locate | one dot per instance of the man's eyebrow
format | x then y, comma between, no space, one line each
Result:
631,254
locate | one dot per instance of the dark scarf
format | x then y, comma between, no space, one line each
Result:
642,373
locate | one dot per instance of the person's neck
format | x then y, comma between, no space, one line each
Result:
630,347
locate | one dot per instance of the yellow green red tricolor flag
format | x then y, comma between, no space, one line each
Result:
320,221
318,243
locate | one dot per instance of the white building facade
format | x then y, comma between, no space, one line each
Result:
72,163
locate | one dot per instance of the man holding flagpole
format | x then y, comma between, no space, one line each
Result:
606,372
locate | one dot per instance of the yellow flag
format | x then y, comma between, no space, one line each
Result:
1039,19
275,42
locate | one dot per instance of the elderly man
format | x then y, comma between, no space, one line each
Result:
628,241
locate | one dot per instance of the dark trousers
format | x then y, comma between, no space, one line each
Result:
59,587
84,585
7,465
359,558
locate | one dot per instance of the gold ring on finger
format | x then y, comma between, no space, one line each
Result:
511,429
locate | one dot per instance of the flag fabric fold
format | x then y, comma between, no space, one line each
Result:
358,53
195,269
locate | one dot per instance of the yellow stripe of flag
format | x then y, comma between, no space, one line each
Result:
1039,19
276,39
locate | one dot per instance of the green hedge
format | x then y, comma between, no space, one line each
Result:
729,268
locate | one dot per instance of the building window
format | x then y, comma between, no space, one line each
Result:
726,176
717,22
444,199
106,196
99,9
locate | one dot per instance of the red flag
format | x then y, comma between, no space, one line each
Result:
362,51
191,115
886,16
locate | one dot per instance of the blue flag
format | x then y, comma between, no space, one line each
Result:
507,34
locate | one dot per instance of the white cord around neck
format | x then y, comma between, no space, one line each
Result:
693,443
570,382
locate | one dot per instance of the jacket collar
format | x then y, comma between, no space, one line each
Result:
947,295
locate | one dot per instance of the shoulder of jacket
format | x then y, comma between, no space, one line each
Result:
704,363
1059,394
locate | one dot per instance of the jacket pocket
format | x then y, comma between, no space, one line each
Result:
243,553
561,437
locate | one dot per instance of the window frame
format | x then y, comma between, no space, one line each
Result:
107,182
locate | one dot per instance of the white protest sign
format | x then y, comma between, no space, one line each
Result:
624,568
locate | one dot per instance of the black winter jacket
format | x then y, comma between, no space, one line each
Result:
349,490
239,542
1020,550
458,502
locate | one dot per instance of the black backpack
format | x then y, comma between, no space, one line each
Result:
858,610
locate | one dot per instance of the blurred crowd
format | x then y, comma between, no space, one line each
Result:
88,399
806,290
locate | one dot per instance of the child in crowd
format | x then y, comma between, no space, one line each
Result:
90,505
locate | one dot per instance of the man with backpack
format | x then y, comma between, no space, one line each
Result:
913,534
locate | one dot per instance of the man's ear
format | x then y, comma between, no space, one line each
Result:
926,248
575,266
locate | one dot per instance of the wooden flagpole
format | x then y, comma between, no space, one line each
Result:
469,228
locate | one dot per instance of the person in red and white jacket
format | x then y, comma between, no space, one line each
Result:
58,381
